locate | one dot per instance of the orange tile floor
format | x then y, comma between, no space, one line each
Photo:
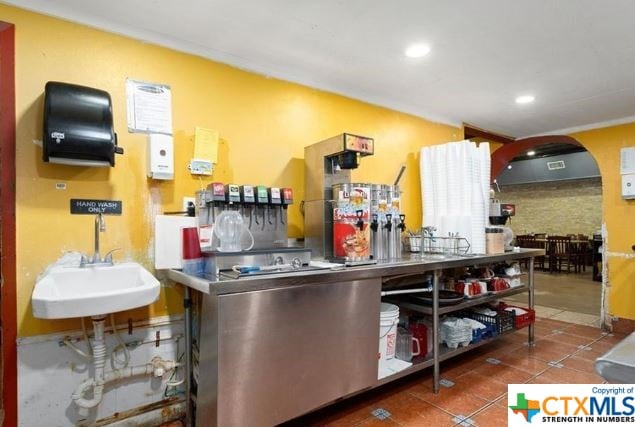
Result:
564,353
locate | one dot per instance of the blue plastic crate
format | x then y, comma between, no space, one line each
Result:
489,331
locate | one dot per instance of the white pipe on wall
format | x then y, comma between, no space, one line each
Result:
157,367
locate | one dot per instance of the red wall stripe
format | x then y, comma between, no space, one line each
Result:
7,211
506,153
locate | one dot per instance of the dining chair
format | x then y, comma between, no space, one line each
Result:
589,241
580,249
524,241
560,253
583,253
529,241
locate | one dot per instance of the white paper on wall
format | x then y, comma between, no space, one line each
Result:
149,107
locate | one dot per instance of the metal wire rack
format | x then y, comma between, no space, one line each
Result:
445,245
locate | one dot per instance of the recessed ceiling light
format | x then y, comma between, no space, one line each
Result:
531,153
509,166
525,99
417,50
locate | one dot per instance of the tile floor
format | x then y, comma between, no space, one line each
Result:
564,315
568,292
569,297
564,353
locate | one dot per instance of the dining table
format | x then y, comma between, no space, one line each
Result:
580,263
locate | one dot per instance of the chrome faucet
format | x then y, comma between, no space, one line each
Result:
100,226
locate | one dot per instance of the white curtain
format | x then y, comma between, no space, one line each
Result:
455,181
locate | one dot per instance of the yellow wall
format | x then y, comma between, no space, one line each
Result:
493,146
619,214
264,125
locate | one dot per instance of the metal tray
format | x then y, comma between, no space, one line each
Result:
425,298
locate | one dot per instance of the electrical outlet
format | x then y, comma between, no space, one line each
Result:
186,201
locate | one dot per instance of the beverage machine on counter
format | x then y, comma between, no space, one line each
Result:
326,164
387,221
263,211
354,223
498,217
243,229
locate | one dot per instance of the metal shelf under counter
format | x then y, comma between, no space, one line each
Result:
425,309
445,353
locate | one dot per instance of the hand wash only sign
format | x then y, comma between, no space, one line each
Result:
87,206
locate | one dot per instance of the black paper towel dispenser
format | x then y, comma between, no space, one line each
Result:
78,128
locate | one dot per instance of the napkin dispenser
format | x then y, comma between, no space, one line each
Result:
78,126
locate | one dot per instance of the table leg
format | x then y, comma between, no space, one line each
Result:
531,300
435,331
187,304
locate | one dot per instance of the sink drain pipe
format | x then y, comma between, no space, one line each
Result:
97,382
157,367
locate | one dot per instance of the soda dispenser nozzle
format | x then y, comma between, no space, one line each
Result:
402,222
374,224
248,199
287,197
360,221
388,225
218,197
232,194
274,198
262,199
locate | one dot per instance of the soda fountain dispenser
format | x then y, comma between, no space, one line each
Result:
264,212
246,226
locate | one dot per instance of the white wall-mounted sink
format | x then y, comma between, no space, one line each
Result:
65,292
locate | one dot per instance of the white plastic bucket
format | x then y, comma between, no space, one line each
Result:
388,320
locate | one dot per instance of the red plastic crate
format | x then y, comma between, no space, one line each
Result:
522,320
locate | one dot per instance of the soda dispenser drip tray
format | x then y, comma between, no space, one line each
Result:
258,262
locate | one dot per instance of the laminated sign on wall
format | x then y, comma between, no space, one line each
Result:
205,151
149,107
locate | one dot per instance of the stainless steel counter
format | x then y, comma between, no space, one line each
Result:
412,264
274,347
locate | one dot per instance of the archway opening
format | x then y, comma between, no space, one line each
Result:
555,188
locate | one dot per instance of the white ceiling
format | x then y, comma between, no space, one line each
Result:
577,57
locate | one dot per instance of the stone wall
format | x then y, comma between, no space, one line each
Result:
558,207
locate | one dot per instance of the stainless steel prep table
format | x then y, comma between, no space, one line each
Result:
274,347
